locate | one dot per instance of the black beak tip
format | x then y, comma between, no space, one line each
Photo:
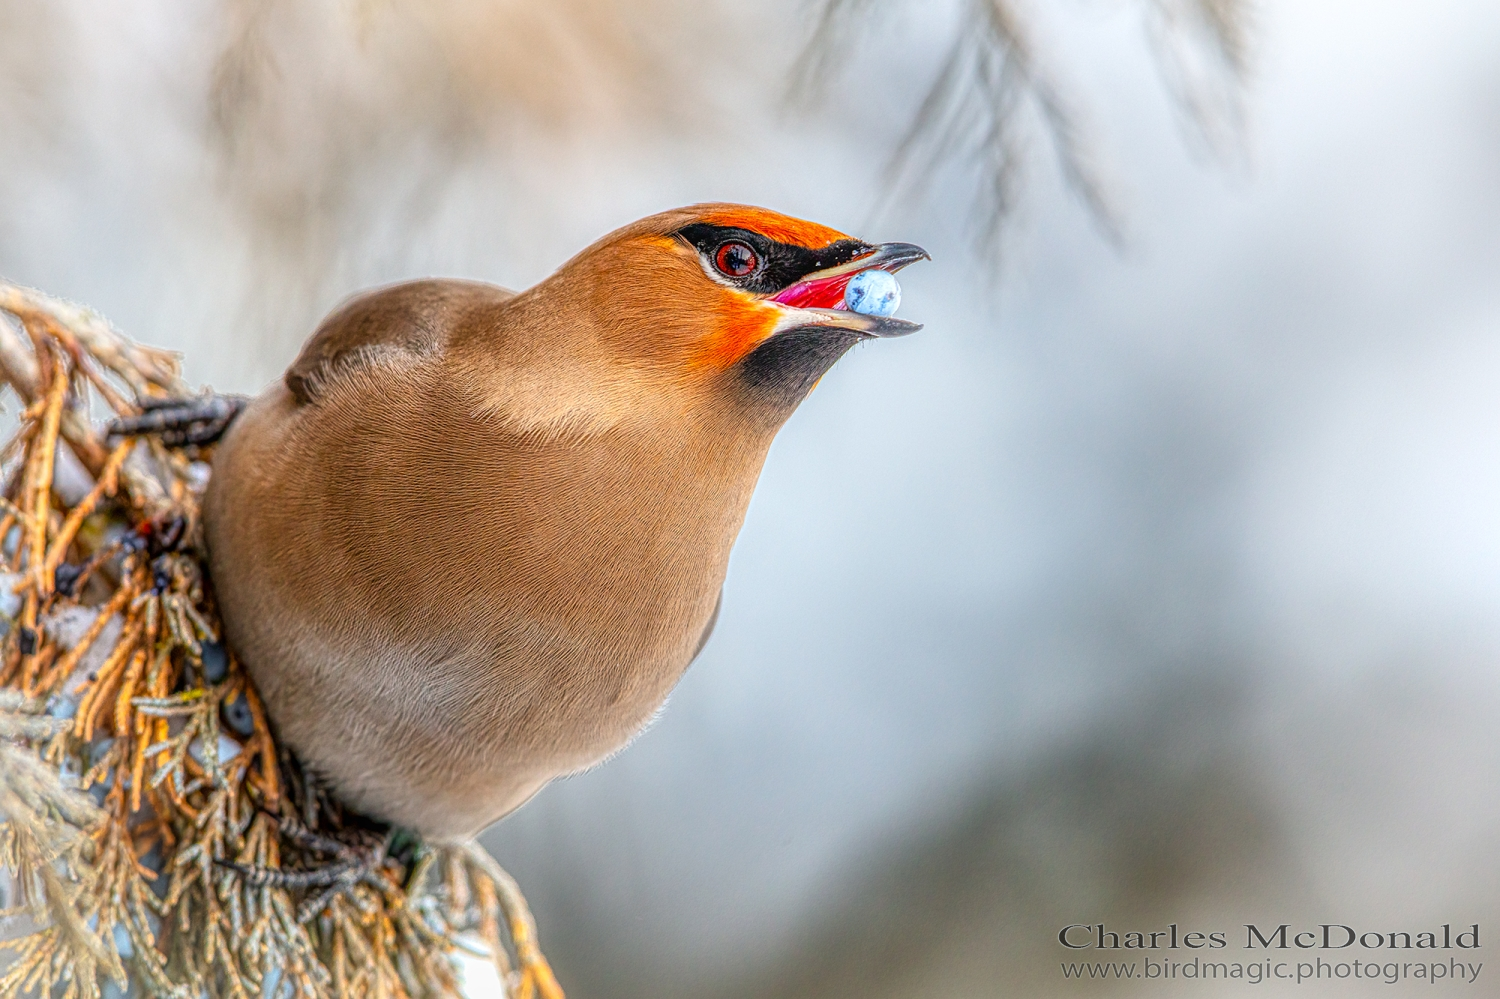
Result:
895,256
888,327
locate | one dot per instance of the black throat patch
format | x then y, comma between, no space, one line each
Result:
781,371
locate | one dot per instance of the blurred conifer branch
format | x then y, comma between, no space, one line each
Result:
1203,51
995,84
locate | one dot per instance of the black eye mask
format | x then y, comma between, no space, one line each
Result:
780,265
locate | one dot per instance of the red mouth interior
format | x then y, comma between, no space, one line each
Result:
827,293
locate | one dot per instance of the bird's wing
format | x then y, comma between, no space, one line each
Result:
708,629
411,319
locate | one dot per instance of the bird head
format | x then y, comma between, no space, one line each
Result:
725,304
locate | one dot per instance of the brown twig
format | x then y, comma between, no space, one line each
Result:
109,478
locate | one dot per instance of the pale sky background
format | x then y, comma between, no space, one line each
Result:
1148,585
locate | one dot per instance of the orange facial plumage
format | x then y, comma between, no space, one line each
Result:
774,225
740,324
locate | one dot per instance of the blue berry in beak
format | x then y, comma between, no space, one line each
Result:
873,293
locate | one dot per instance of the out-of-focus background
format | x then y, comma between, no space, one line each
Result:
1157,580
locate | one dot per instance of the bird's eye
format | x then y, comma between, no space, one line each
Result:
736,259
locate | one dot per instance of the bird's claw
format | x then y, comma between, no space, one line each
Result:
356,864
181,422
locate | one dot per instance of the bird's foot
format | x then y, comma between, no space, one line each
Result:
353,864
182,422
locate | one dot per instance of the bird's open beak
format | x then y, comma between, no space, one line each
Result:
821,293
